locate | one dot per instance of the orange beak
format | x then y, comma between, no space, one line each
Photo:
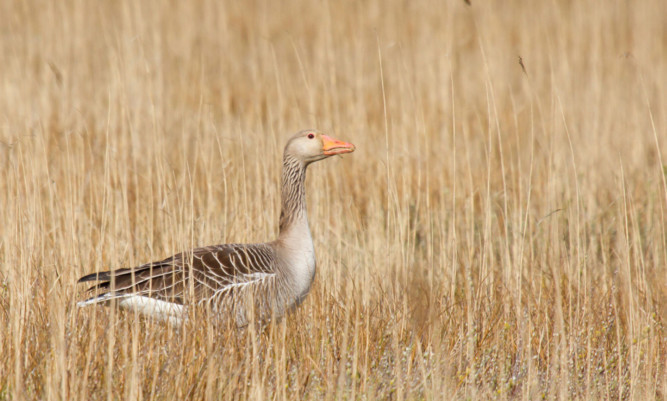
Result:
332,146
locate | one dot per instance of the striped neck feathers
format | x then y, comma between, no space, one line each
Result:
293,193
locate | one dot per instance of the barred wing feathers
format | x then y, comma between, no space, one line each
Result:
211,273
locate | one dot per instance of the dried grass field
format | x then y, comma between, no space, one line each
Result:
500,232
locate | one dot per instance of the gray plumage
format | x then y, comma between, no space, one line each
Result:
239,281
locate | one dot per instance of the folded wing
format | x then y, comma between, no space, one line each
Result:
209,274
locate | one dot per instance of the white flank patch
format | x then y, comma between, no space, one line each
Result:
155,308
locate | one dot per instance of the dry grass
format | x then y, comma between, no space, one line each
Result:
497,234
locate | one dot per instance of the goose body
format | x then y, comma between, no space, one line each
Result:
238,281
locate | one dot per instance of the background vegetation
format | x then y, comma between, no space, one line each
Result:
498,233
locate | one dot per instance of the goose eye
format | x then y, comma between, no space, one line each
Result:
311,136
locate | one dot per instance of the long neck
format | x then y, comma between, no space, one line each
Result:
295,244
293,194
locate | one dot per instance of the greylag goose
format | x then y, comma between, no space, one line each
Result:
241,281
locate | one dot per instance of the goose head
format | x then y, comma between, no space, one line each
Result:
312,145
